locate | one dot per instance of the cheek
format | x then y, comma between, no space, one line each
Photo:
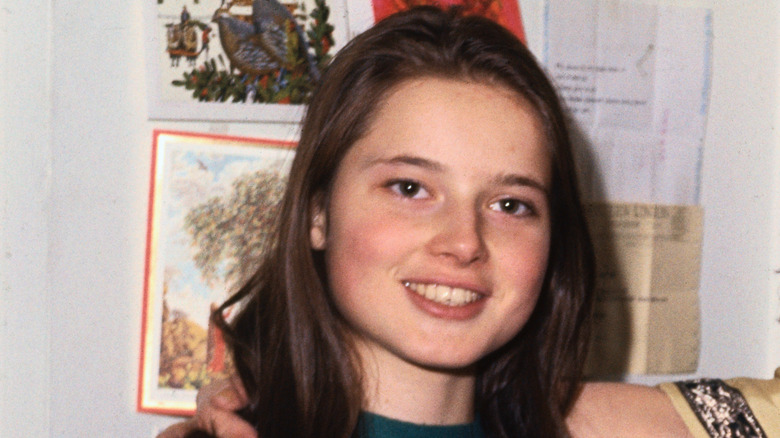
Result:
521,306
524,257
534,268
360,247
523,267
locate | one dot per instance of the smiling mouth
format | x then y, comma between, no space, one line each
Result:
448,296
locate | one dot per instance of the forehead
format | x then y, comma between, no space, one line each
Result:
488,123
423,98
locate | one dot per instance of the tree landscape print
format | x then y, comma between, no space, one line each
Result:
213,204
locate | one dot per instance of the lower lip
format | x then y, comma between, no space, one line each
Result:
437,310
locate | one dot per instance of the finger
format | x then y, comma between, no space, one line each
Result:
226,424
219,394
229,399
216,406
238,385
206,393
178,430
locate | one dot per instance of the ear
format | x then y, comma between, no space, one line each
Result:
318,230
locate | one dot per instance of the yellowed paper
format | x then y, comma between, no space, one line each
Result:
647,308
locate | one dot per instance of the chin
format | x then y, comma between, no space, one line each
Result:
446,361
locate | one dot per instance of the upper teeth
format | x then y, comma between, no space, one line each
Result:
449,296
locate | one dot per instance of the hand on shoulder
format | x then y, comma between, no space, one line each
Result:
217,403
624,410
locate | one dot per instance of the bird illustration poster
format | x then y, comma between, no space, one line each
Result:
211,207
239,60
259,60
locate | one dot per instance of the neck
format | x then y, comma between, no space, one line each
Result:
405,391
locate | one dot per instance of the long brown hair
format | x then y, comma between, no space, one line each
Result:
290,350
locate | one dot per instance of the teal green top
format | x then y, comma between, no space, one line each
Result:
377,426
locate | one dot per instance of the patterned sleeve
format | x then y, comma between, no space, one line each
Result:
728,408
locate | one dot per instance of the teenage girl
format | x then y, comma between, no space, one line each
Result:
432,272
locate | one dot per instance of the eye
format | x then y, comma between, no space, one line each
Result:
408,189
512,206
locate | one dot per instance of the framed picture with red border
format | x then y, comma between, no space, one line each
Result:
504,12
212,203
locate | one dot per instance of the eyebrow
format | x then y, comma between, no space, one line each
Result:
409,159
511,179
520,180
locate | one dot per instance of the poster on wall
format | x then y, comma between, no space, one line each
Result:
504,12
646,318
364,13
238,60
635,80
259,60
211,206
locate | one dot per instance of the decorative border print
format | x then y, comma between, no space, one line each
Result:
721,408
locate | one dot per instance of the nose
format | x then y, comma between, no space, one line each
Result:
459,236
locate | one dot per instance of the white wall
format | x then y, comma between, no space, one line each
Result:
25,178
740,193
74,175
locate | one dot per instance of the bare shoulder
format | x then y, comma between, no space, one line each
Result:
624,410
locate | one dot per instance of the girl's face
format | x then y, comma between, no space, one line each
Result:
437,231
